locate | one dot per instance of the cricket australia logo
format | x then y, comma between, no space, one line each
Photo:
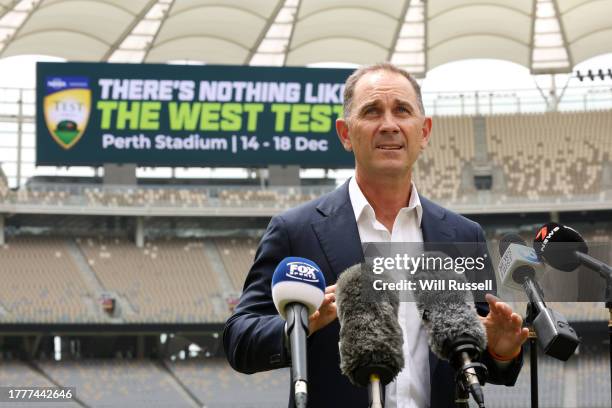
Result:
67,106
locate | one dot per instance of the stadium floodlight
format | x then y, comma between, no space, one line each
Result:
592,74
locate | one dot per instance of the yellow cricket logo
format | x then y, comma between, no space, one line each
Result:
66,115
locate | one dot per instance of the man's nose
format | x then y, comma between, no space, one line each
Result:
389,123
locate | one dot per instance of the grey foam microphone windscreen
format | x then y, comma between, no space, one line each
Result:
370,336
447,314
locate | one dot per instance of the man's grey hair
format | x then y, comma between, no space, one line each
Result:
351,82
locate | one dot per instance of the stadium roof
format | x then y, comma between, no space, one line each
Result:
546,36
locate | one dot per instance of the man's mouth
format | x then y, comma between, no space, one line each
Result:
389,147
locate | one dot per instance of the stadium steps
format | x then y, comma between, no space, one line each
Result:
481,151
215,261
43,373
91,280
180,386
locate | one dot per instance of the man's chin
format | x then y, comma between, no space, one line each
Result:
392,169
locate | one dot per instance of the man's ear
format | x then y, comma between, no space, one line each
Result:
343,134
425,132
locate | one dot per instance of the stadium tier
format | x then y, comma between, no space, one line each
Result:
143,197
582,382
166,281
41,282
118,383
210,383
552,154
64,280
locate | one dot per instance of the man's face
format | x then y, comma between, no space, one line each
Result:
386,129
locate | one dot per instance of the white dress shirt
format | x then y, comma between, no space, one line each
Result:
411,388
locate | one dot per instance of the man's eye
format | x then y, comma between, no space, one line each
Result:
370,110
403,109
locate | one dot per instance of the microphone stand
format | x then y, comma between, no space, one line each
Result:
605,271
298,317
609,307
466,363
462,396
375,392
533,355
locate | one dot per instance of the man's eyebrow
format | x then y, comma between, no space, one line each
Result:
404,102
367,105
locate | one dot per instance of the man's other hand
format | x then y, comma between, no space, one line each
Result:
505,333
327,313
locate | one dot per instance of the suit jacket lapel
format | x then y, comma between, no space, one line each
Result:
337,232
434,225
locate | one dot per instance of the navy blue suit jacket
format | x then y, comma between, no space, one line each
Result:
325,231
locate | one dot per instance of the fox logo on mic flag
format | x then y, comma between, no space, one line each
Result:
298,280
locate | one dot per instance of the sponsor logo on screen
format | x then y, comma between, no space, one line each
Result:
67,107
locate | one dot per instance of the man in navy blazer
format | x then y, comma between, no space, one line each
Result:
384,125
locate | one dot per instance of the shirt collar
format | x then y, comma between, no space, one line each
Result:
360,203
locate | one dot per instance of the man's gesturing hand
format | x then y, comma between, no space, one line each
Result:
327,313
504,332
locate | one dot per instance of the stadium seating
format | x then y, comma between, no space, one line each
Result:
118,383
551,154
237,255
169,280
550,381
216,384
281,198
212,382
18,373
593,379
139,196
41,283
166,281
21,375
438,172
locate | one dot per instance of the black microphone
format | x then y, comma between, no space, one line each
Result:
370,336
564,248
518,266
456,334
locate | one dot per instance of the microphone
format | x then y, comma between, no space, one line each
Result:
564,249
519,266
370,335
298,290
456,334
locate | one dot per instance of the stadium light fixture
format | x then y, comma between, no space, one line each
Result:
593,74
